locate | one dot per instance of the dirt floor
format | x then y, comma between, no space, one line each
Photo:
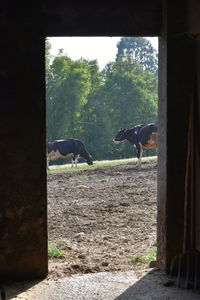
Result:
101,218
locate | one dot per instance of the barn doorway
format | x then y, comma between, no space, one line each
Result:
101,217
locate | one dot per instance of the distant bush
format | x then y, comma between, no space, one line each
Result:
54,250
144,258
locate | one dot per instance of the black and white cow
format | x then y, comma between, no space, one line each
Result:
141,137
67,148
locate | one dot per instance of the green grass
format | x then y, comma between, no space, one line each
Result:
55,251
55,169
144,259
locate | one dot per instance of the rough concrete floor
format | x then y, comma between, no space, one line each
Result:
102,286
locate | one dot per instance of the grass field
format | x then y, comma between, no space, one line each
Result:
55,169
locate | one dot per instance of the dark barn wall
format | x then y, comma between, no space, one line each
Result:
23,191
23,205
197,158
102,18
23,208
179,62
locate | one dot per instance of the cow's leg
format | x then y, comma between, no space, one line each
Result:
139,155
76,159
156,156
72,163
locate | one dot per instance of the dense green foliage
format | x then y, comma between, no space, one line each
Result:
91,105
140,50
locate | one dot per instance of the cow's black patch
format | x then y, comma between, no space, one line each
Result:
140,136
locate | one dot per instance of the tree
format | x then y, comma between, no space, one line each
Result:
93,113
92,106
141,51
68,85
47,54
130,94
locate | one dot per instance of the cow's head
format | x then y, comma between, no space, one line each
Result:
90,160
121,136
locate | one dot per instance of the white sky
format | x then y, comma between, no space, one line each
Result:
103,49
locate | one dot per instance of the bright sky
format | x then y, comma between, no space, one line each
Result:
103,49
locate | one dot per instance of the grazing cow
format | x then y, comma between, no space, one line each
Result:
67,148
141,136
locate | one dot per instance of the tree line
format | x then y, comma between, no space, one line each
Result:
86,103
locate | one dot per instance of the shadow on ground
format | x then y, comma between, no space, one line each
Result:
156,286
14,289
102,286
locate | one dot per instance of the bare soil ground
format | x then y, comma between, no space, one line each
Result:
102,217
